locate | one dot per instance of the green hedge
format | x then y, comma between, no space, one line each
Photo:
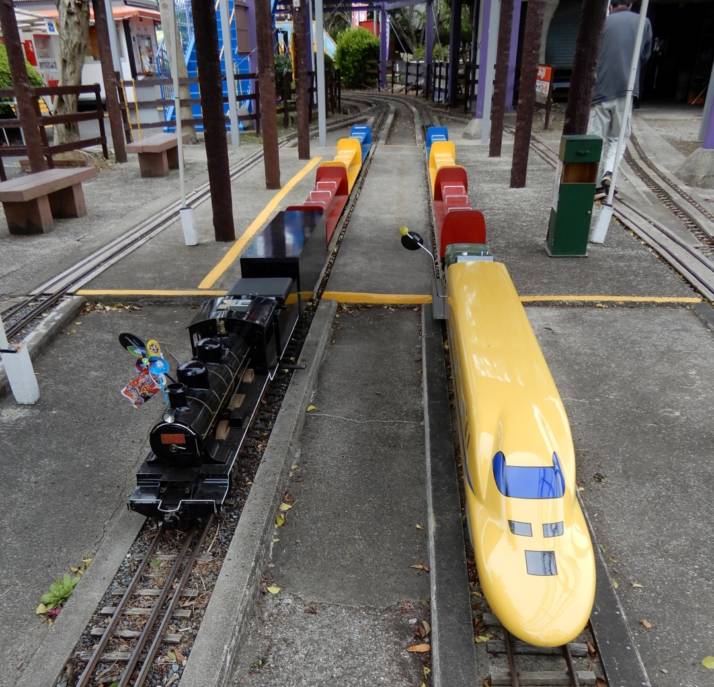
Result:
357,58
6,77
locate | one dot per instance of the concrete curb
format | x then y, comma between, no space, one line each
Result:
48,328
455,663
230,608
51,655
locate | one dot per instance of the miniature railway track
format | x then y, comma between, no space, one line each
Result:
141,621
518,664
138,659
19,316
695,217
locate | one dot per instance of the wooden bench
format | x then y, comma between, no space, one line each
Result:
33,200
157,154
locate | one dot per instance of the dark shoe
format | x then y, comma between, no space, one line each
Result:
606,180
600,193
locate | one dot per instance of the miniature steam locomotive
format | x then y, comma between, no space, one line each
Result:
237,341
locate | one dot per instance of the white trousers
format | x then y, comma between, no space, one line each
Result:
606,120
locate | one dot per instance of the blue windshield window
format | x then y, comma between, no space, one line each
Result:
522,482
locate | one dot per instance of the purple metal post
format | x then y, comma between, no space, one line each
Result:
513,56
253,55
482,57
429,47
383,34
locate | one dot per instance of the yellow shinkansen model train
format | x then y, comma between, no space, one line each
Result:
533,551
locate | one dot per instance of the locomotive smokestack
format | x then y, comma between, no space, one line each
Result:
193,374
210,350
177,395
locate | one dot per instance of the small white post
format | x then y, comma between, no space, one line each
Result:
174,45
18,368
599,233
230,75
320,58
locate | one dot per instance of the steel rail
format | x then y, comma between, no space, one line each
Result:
572,673
99,648
510,657
94,264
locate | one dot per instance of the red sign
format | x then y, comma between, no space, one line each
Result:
30,52
544,78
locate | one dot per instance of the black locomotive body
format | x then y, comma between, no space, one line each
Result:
237,341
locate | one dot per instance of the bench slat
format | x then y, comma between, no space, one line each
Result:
38,184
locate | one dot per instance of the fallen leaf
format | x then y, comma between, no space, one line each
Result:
294,466
592,651
615,584
420,566
480,596
646,624
41,609
276,540
285,507
708,662
419,526
311,408
426,670
274,589
180,657
279,520
480,639
426,628
419,648
637,585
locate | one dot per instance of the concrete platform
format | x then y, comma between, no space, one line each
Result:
517,221
636,383
371,258
350,599
68,463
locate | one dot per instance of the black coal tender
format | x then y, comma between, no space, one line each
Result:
237,341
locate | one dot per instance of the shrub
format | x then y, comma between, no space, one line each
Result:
357,58
6,77
34,77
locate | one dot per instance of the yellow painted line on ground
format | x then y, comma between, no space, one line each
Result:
239,246
609,299
377,298
149,292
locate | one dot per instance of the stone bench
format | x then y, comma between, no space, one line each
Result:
33,200
157,154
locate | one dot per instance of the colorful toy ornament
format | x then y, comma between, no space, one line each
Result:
151,366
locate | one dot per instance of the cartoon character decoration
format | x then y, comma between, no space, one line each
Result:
151,366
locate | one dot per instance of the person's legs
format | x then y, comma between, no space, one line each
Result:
600,124
618,121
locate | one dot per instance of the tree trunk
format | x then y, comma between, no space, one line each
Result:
582,80
526,93
498,103
189,130
74,36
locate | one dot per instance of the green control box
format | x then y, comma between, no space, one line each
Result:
573,194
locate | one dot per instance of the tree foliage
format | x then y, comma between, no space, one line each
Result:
6,78
357,58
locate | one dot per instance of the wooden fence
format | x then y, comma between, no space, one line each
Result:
19,149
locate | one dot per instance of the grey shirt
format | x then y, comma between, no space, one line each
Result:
613,65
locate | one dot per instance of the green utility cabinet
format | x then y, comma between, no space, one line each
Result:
573,194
